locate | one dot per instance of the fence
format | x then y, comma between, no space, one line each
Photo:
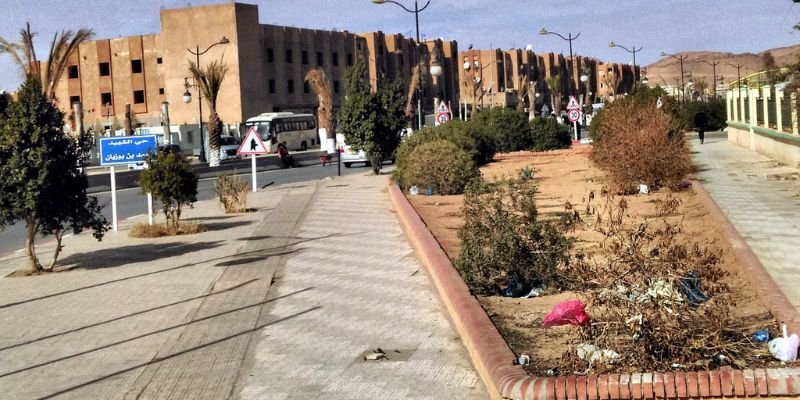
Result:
764,107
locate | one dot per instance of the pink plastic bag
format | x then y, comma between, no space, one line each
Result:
572,312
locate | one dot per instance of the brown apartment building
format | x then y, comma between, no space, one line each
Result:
266,69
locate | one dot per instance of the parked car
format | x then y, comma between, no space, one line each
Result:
228,146
350,156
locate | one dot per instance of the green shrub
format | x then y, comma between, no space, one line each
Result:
473,138
503,239
508,127
439,165
548,134
716,115
170,179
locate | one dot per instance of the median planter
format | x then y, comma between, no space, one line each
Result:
491,353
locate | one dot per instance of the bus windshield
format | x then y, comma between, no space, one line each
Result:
261,127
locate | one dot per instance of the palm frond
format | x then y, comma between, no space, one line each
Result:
412,87
209,80
319,83
63,46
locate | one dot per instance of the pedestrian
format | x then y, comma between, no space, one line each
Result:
700,122
283,154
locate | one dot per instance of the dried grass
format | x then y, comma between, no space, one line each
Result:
142,230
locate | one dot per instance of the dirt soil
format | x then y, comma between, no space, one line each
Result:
570,176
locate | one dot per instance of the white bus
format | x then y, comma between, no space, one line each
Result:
299,131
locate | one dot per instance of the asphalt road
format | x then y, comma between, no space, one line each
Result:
132,203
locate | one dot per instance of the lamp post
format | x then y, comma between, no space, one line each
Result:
569,39
476,72
416,12
679,58
738,76
633,51
714,69
187,96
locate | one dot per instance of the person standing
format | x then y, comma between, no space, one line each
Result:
700,123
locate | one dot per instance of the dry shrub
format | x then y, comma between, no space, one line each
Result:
142,230
639,310
667,206
232,192
641,144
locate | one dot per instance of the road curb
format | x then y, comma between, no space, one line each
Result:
493,358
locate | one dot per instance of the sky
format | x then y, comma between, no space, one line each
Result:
673,26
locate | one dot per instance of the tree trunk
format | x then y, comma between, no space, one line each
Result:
59,235
377,163
30,247
214,132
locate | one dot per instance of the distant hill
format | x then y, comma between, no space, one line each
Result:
667,70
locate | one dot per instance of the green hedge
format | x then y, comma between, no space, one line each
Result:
439,165
548,134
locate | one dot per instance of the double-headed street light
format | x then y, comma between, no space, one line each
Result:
714,68
633,50
569,38
416,12
187,96
679,58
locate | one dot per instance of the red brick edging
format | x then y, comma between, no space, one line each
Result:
493,358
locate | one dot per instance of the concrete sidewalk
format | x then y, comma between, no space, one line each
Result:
278,303
761,198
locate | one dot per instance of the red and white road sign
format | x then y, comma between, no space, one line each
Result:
442,114
574,115
573,104
252,145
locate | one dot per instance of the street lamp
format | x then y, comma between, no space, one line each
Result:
679,58
187,96
569,39
714,68
416,12
738,76
476,72
633,51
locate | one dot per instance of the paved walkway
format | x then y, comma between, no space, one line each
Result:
198,317
762,200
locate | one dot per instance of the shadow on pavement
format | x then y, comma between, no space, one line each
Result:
221,226
248,260
119,256
207,218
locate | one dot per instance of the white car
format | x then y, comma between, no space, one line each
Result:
228,146
350,156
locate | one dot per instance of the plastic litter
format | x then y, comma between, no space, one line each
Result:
643,189
570,312
594,354
761,336
413,190
524,359
514,288
536,292
784,348
690,286
429,192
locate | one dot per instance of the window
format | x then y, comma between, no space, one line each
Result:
291,86
336,86
289,55
136,66
349,60
335,59
105,98
161,90
306,87
138,96
72,70
105,69
319,59
304,56
190,136
159,60
270,55
74,99
272,85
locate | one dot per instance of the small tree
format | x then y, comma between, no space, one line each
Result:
372,122
40,182
170,179
321,85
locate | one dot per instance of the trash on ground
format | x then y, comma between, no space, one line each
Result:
536,292
690,286
594,354
429,192
413,190
761,336
514,288
376,355
524,359
570,312
643,189
784,348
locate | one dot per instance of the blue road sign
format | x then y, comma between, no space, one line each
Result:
126,149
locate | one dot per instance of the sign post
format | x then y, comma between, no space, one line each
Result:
442,114
121,151
574,114
252,145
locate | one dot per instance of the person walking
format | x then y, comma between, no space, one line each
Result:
700,123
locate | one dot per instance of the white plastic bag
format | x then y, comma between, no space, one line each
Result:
784,348
413,190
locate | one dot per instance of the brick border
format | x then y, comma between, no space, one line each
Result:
575,149
493,358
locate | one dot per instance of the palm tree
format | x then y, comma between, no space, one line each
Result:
209,80
64,44
554,83
321,85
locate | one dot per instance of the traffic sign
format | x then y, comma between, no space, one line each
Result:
574,115
573,104
252,144
442,118
442,113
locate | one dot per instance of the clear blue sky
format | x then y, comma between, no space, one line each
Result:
669,25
